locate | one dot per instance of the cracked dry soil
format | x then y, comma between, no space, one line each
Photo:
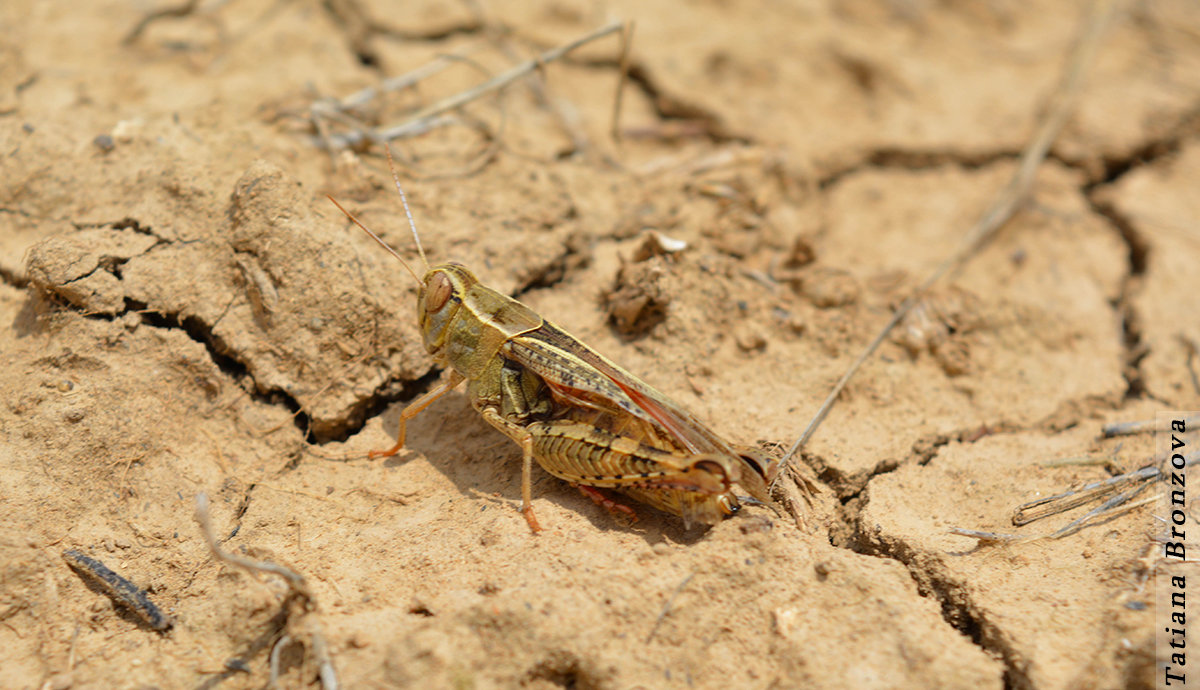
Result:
183,311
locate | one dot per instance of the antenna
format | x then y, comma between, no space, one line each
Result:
387,146
376,238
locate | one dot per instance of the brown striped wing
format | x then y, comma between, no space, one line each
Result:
578,373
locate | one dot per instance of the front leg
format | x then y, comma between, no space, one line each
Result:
414,408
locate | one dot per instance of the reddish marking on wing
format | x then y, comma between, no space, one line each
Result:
689,433
664,417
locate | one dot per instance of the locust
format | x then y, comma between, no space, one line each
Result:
581,417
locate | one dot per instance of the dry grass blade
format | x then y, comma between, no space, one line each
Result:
1060,503
397,83
1139,427
1121,491
619,96
668,604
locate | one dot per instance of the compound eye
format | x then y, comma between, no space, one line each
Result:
729,504
438,292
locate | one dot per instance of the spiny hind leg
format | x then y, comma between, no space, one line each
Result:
414,408
601,499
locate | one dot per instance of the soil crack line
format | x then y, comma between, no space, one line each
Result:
19,212
1146,153
374,405
230,362
220,355
668,106
1133,347
359,27
957,608
916,160
127,223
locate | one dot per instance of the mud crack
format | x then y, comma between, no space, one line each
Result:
1113,168
320,359
954,597
126,223
697,120
389,393
1133,347
850,486
359,27
218,352
915,160
354,419
670,107
18,212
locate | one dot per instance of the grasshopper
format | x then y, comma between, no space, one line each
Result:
580,416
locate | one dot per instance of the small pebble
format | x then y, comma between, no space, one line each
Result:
750,339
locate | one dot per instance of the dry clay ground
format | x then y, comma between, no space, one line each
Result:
181,310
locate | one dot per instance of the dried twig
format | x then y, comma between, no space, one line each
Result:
567,119
618,97
1002,209
299,606
334,109
398,83
989,537
420,121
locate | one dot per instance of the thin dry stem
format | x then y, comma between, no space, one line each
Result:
329,107
1002,209
1138,427
667,606
619,96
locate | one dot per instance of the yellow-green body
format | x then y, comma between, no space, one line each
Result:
581,417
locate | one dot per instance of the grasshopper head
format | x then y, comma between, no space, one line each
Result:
439,300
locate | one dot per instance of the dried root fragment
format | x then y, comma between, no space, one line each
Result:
300,615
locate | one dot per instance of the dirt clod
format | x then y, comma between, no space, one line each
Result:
639,297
